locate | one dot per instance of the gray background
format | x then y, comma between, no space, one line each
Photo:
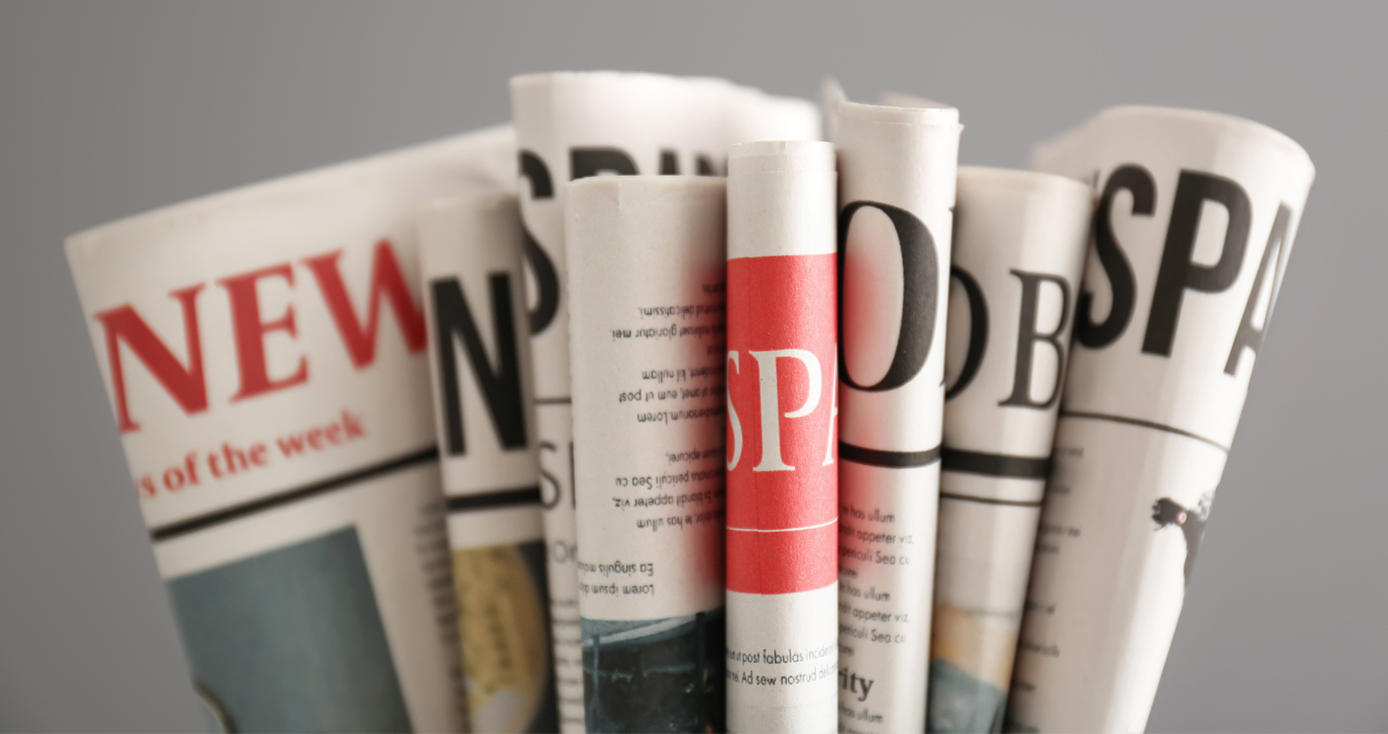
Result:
110,109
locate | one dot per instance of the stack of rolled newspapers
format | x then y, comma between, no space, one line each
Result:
658,411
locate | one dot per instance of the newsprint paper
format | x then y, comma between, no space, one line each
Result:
1191,236
470,252
264,352
782,448
1019,240
575,125
647,264
896,194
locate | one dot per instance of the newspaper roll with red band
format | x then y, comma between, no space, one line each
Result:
573,125
896,192
782,448
780,510
470,253
1019,241
647,269
1192,231
264,350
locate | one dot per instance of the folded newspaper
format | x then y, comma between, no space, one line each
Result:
1192,232
782,357
264,353
896,167
809,448
470,252
647,261
1019,241
571,126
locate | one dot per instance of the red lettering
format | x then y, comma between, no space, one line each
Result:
190,465
235,459
250,330
319,438
385,278
352,423
185,385
174,479
291,444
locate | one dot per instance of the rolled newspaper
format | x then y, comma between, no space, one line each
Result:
1191,237
575,125
782,536
470,253
1019,240
647,268
264,354
896,192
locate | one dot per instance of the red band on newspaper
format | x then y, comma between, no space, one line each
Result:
782,445
782,562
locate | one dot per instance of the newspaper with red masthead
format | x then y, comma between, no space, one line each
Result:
264,351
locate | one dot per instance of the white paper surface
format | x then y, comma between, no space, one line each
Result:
264,350
1019,240
782,408
1192,231
471,252
647,269
575,125
896,192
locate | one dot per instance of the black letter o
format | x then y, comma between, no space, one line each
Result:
920,275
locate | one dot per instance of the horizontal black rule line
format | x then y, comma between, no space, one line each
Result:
995,465
553,401
489,500
890,459
279,499
1144,424
988,500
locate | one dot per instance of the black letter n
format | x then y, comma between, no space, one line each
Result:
501,387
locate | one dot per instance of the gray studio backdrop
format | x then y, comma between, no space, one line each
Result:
109,109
